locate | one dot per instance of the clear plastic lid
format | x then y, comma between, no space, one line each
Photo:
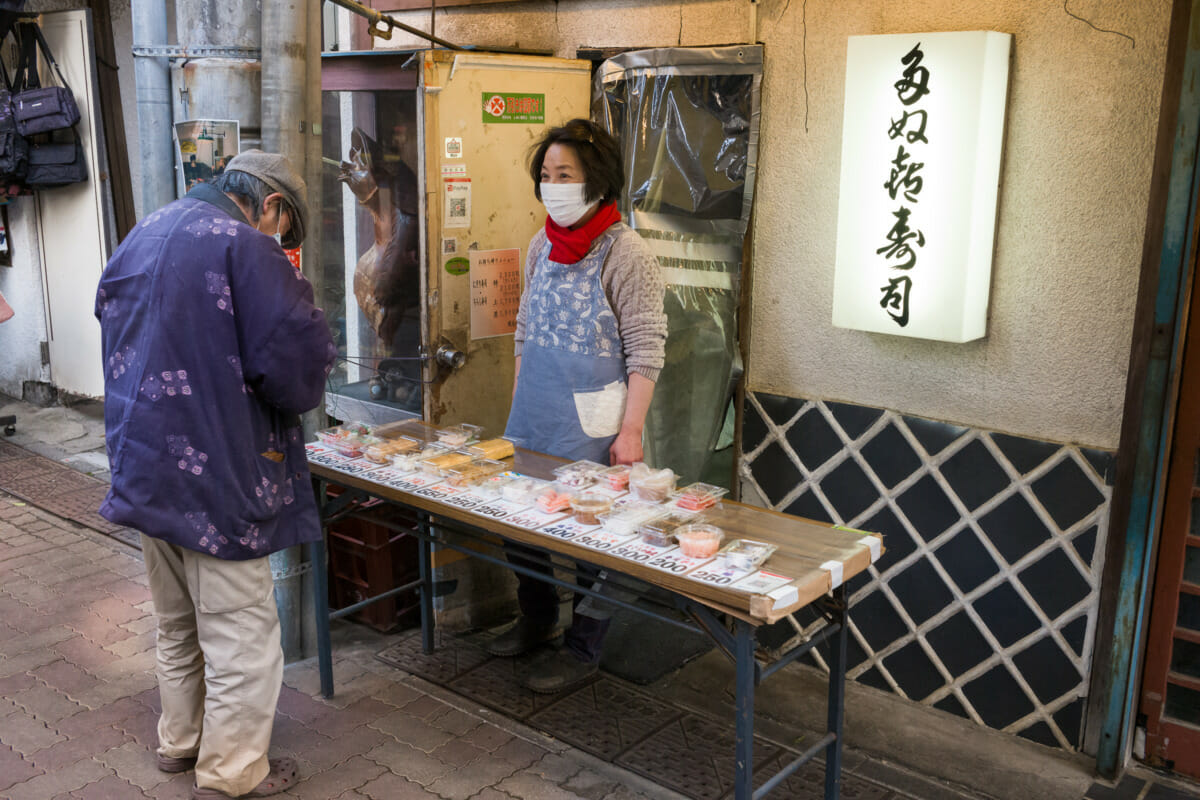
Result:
587,506
522,489
699,539
349,440
744,554
470,474
495,449
412,460
698,496
459,435
447,459
412,428
660,529
578,474
553,499
616,476
383,452
625,519
651,484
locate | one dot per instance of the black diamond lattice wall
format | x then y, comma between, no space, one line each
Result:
984,604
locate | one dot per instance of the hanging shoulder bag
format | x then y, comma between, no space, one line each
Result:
14,150
54,164
40,109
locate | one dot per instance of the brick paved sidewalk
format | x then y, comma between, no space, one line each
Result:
79,704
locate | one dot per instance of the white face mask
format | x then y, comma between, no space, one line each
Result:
565,202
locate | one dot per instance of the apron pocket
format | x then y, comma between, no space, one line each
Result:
601,413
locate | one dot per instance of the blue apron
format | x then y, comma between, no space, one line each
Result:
570,397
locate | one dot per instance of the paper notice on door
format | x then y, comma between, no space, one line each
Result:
495,292
458,203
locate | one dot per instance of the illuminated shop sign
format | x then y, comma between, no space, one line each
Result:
921,144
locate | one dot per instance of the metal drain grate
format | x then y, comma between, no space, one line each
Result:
604,718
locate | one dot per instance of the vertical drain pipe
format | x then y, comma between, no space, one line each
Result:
285,130
153,78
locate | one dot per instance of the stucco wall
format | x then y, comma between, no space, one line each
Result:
1083,112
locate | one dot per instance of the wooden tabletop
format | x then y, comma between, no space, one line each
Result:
811,554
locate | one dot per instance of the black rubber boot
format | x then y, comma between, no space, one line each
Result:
522,637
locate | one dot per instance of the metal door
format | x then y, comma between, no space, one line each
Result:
1170,698
481,113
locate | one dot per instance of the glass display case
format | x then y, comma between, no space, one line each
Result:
370,217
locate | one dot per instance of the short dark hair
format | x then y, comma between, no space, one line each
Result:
251,190
598,152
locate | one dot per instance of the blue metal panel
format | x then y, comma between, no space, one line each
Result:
1145,511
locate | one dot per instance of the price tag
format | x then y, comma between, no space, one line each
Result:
318,453
675,562
533,519
639,551
602,539
495,508
464,498
567,529
718,574
606,490
390,476
441,491
413,481
761,582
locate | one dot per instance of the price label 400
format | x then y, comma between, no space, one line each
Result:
561,531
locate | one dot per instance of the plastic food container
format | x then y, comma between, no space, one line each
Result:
744,554
411,428
660,529
552,500
651,484
522,489
698,539
624,520
440,463
349,440
588,506
412,460
699,496
617,477
578,475
459,435
470,474
383,452
495,449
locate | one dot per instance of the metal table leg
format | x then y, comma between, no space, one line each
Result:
743,781
316,554
837,696
425,572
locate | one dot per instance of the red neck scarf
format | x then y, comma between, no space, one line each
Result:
569,246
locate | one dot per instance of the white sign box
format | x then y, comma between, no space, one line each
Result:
921,145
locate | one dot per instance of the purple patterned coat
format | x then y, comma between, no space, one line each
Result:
212,348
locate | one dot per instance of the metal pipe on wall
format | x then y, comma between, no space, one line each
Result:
153,78
285,130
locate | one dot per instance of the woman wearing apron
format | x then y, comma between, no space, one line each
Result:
589,343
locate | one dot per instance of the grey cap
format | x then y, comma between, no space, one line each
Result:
278,173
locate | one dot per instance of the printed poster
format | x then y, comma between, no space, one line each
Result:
204,147
495,292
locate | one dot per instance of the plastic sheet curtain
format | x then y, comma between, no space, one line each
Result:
688,121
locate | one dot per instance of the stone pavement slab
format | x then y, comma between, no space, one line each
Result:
79,701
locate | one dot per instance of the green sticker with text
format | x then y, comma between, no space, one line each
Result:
512,107
458,266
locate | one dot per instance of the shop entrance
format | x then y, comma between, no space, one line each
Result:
1170,698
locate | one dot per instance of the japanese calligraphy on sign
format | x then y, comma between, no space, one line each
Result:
495,292
921,146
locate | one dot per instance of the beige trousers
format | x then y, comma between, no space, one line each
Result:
220,662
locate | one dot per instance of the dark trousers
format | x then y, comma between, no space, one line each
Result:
538,601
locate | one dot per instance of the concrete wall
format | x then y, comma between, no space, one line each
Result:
1083,112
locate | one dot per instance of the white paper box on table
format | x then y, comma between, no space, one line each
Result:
917,202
